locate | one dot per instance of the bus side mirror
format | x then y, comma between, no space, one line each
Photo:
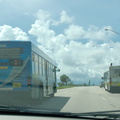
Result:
56,70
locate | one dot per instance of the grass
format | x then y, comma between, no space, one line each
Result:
63,87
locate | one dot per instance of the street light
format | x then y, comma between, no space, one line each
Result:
112,31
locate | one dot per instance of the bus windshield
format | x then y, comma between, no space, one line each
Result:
116,72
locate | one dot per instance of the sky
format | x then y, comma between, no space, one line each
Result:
71,32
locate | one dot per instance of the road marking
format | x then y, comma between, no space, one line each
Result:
113,105
103,98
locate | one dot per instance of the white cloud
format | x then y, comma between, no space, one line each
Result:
9,33
79,61
41,29
46,36
96,33
74,32
43,15
64,18
90,60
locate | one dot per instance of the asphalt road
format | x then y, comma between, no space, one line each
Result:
90,99
83,99
75,100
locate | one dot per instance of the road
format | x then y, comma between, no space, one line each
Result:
83,99
76,100
90,99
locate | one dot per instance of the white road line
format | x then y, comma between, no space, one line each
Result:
103,98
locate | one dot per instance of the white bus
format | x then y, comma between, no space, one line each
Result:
112,79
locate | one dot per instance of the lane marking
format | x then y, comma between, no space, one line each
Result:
103,98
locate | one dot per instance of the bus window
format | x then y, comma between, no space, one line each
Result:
33,57
40,66
50,70
116,72
36,64
33,62
43,66
53,71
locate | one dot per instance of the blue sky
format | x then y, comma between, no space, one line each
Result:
98,13
22,14
71,32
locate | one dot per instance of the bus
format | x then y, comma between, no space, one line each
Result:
112,79
26,71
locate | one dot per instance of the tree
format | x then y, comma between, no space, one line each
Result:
84,84
60,84
64,79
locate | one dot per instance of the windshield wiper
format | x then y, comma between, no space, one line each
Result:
37,112
106,114
92,115
6,108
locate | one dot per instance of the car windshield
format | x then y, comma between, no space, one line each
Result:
60,55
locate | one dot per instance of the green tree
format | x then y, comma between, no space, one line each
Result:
84,84
60,84
64,79
70,83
